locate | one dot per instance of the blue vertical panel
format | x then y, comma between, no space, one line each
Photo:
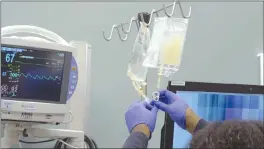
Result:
245,113
221,107
246,100
261,103
202,98
254,102
261,107
210,107
233,114
261,111
253,114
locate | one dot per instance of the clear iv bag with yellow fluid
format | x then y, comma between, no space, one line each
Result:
136,71
167,44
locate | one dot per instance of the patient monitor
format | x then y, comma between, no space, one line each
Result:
40,80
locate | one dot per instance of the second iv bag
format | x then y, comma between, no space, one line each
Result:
166,45
136,71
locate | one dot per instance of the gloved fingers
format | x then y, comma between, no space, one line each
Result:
162,92
154,110
149,106
160,105
166,96
165,93
152,102
163,99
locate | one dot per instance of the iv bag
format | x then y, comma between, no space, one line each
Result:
152,56
136,71
166,46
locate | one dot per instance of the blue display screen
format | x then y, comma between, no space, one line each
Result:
31,74
218,107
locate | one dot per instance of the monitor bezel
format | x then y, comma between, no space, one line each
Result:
65,76
168,127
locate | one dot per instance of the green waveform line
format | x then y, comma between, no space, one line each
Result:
39,77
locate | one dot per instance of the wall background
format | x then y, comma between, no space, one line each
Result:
222,42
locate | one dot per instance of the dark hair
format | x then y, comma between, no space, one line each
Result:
230,134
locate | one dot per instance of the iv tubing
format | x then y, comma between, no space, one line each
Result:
159,76
140,91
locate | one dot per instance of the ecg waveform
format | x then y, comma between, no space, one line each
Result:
35,77
39,77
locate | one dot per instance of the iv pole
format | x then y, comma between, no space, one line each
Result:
134,20
147,18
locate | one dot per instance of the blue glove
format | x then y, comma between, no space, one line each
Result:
141,113
176,108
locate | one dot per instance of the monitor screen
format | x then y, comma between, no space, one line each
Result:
31,73
213,106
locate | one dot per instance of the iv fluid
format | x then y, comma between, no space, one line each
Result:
171,51
170,56
172,46
136,71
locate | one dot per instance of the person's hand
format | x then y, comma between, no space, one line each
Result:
176,108
141,112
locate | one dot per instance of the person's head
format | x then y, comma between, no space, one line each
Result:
230,134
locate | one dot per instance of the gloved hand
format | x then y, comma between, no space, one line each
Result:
141,112
176,108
